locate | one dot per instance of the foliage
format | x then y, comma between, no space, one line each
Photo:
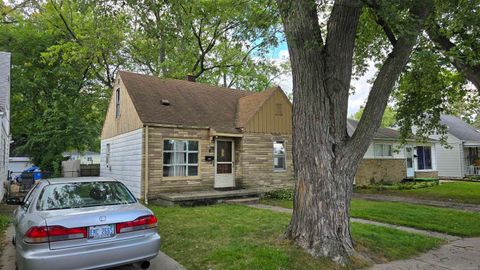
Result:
66,54
53,108
388,119
246,238
400,186
282,194
218,42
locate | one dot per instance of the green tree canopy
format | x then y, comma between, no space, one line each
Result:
66,54
388,119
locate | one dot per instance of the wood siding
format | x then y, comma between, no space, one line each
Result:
126,152
268,119
128,120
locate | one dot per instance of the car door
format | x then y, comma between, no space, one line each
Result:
20,214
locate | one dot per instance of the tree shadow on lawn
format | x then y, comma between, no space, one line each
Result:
239,237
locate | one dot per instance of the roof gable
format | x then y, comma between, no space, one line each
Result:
265,112
458,128
249,105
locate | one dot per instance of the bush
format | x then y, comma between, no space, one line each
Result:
401,186
281,194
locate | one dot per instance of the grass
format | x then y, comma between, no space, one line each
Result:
450,221
462,192
238,237
5,218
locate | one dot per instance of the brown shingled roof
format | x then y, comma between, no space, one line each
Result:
382,133
191,103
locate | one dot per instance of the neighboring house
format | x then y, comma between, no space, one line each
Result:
17,165
164,135
387,160
87,157
462,155
4,118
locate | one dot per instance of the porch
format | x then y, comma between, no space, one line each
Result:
212,196
472,160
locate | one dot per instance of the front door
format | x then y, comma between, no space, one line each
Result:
409,161
224,163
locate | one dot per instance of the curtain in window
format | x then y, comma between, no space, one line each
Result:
424,157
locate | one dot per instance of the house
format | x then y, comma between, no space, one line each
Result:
461,156
86,157
4,119
165,135
388,160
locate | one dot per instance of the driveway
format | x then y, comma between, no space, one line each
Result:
161,262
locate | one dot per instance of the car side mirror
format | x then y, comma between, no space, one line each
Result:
14,201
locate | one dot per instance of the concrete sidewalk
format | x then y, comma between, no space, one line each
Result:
463,254
402,199
7,260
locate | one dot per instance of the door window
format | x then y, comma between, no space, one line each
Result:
224,157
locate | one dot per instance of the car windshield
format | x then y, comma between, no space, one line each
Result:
83,194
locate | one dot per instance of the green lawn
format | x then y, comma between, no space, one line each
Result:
450,221
239,237
463,192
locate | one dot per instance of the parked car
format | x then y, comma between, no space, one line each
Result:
82,223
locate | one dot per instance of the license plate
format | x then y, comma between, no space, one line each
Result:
103,231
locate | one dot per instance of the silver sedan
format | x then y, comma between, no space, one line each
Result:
83,223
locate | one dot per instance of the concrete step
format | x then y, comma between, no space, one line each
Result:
249,200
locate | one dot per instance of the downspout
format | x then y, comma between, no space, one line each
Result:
146,165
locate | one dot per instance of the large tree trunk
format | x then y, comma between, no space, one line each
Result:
325,158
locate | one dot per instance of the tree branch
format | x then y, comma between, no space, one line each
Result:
386,79
472,73
340,44
375,6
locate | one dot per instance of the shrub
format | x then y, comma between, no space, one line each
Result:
281,194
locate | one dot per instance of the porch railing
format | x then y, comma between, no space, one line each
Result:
472,170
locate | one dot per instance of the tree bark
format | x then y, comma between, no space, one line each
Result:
325,158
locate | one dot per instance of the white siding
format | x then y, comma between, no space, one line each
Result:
5,118
125,159
450,160
398,150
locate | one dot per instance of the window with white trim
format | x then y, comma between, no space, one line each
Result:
424,157
382,150
107,155
117,103
279,156
180,158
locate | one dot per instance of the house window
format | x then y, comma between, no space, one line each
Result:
180,158
107,155
424,157
117,103
383,150
279,156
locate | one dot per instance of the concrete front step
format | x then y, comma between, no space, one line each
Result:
250,200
